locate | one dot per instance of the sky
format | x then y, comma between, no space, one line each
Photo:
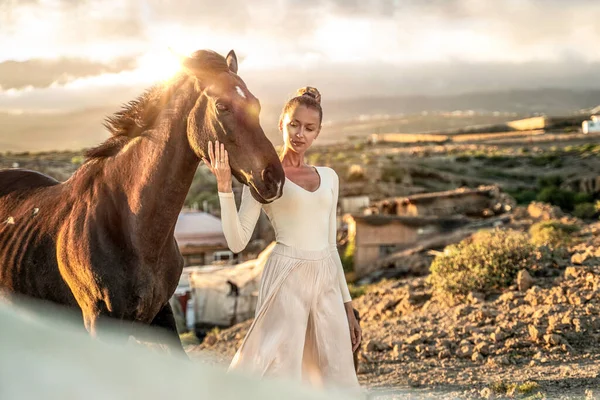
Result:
73,54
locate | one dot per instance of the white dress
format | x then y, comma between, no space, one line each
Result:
300,330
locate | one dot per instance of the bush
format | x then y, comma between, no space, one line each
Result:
585,211
348,256
565,199
463,159
356,173
582,197
523,196
488,261
552,234
553,180
356,291
392,174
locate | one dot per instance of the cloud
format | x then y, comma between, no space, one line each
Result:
350,47
43,73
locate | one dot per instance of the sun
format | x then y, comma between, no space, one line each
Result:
159,65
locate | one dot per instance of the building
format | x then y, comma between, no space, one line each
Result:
377,236
592,125
199,236
483,201
354,204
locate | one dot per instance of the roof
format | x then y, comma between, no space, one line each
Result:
429,197
448,223
199,228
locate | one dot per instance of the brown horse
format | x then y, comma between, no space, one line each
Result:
103,240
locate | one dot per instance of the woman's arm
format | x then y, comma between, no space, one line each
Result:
333,240
238,226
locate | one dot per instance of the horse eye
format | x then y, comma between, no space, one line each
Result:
222,107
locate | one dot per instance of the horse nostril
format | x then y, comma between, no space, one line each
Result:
269,177
267,174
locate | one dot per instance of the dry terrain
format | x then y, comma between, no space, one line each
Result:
539,338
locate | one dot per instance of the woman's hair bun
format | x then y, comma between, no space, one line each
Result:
309,91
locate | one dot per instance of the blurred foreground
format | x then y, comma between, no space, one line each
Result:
52,357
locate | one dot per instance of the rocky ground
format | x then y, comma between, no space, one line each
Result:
540,338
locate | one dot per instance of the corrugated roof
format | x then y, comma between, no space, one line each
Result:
198,228
418,221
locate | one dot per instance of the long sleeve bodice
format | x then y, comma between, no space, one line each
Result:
300,218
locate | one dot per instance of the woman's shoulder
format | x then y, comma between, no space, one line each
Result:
327,170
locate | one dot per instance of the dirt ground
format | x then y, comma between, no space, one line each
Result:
538,339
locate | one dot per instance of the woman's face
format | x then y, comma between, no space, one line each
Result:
300,126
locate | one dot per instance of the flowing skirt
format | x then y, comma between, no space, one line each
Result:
300,330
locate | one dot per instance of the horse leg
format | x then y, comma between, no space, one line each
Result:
103,325
164,321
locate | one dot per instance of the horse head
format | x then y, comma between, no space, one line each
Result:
226,110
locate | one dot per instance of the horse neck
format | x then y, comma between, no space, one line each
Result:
155,172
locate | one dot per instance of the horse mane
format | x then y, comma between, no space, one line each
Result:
140,114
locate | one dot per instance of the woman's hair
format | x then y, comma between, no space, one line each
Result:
307,96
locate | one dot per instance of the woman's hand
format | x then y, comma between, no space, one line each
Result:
219,166
355,331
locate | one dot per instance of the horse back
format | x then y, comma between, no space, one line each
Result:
12,180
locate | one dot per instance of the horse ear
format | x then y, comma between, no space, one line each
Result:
232,62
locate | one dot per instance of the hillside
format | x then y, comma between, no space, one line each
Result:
76,129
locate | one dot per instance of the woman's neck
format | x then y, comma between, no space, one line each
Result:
292,159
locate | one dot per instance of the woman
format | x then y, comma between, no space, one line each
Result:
304,326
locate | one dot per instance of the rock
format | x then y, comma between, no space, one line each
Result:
210,340
465,351
387,305
414,339
555,340
524,280
572,272
503,360
475,297
483,348
477,357
497,336
375,345
486,393
534,333
579,258
445,353
396,351
507,297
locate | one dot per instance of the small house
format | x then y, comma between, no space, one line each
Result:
377,236
199,236
592,125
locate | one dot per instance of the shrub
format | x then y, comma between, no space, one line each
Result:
392,174
488,261
546,160
348,256
553,180
356,173
463,159
565,199
356,291
552,234
582,197
77,160
585,211
523,196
